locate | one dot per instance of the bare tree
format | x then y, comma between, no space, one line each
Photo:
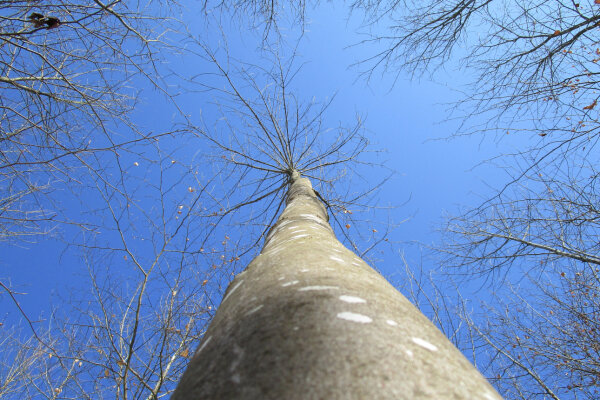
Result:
290,324
69,81
128,328
310,319
262,14
158,247
534,65
542,337
70,76
68,73
540,241
534,69
534,337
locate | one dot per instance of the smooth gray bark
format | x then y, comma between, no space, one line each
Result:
308,319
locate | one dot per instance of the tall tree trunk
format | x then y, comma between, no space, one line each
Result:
308,319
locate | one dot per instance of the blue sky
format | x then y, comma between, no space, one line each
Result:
403,117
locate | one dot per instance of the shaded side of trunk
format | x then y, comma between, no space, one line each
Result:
308,319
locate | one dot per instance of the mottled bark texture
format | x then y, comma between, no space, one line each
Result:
308,319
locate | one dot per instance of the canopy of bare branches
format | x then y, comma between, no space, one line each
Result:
67,76
534,69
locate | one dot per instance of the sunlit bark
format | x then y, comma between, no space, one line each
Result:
309,319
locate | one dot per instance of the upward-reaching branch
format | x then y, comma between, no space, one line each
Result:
266,132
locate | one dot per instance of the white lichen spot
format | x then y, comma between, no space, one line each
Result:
321,223
289,283
239,354
281,278
295,328
354,317
336,259
310,216
255,309
307,288
203,345
490,396
409,353
424,343
391,322
352,299
273,251
237,285
236,378
277,229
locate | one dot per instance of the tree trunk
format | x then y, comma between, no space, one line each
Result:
308,319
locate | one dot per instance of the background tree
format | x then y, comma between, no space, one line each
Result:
126,329
534,67
68,77
71,76
542,244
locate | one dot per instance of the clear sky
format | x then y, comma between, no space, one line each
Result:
404,117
